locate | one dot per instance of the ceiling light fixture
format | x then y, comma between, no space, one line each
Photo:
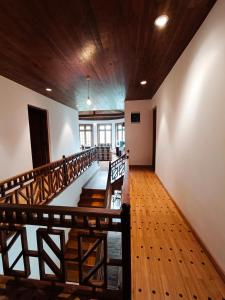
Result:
88,83
48,89
161,21
143,82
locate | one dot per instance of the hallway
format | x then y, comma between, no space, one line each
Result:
167,260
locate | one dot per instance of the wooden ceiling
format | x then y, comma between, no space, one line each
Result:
57,43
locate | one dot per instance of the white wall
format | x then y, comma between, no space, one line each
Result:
139,135
71,195
95,126
15,148
191,132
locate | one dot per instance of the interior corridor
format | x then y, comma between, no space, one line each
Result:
167,260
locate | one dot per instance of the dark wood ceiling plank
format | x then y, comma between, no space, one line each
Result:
56,43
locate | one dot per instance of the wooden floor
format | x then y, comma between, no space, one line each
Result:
167,260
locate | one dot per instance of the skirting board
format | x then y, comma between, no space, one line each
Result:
207,252
141,166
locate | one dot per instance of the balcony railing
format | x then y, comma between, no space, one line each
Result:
39,186
118,168
51,225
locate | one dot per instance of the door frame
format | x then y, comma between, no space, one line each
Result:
45,111
154,130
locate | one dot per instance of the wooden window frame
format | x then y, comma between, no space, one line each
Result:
98,132
85,130
117,131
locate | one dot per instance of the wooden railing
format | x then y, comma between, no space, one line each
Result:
118,168
126,225
53,221
60,216
41,185
116,171
108,194
104,153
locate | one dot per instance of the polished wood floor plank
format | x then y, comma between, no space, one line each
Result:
167,260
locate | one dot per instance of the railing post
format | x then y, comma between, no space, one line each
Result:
110,172
97,154
65,175
126,251
2,191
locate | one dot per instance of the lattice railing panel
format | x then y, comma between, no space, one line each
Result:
44,237
118,168
96,276
13,251
41,185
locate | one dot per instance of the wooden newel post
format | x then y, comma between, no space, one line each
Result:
126,251
2,191
65,175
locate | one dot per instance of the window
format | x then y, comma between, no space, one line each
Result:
105,134
86,134
120,134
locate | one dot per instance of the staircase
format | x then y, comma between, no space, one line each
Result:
92,198
71,255
117,184
94,192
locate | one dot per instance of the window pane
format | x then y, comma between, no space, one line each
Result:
102,137
108,127
119,136
81,127
88,127
123,138
102,127
108,137
82,140
88,138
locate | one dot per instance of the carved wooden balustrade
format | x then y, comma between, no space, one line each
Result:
118,168
53,221
50,227
41,185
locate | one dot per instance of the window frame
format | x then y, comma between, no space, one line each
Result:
85,137
98,133
117,132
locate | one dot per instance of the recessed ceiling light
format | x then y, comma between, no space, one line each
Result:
161,21
48,89
89,101
143,82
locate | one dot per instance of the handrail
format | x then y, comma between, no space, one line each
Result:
59,216
41,185
37,171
